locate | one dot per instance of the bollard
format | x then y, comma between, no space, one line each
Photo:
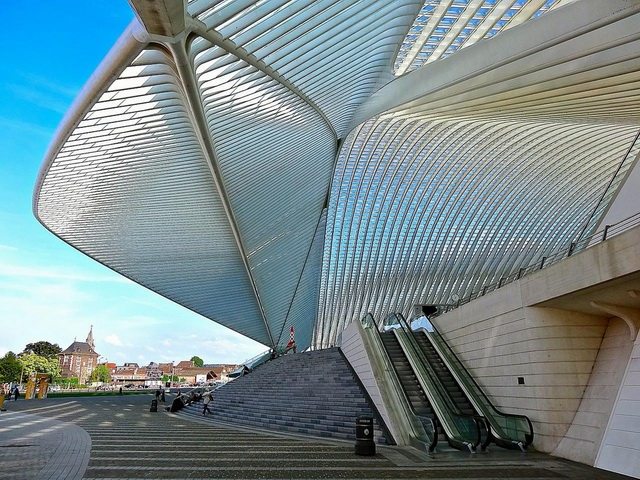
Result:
364,436
154,405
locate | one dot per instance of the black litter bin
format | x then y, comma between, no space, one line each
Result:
364,436
154,405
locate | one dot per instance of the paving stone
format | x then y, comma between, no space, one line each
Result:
128,441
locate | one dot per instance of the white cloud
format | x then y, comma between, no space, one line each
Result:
113,339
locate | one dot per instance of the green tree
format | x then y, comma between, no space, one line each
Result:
33,363
72,382
197,361
170,378
10,368
43,348
100,374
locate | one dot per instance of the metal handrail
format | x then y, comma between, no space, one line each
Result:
251,363
428,424
463,431
508,429
546,261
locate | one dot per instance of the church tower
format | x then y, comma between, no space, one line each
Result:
90,339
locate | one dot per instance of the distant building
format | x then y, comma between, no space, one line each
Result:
191,374
221,370
79,359
166,368
129,373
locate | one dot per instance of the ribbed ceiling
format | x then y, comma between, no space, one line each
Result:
302,163
132,189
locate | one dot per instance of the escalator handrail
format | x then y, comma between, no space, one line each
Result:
433,441
528,437
443,403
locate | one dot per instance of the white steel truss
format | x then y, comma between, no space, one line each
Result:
302,163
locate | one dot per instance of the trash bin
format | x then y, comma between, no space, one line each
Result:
154,405
364,436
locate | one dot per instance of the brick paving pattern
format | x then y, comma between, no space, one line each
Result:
128,441
33,446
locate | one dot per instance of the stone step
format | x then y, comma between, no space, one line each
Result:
310,393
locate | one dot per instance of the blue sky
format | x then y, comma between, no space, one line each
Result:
48,290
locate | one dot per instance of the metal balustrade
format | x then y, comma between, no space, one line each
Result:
546,261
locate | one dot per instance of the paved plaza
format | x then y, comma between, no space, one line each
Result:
117,437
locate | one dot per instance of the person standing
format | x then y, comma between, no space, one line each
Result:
16,392
206,399
162,397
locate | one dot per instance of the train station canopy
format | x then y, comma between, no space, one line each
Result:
281,163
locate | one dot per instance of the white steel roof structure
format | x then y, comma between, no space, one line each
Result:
278,163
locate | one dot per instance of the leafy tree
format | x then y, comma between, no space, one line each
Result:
197,361
72,382
100,374
170,378
33,363
10,368
43,348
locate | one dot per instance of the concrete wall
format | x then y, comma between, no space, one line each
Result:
553,350
558,329
620,450
585,433
353,349
606,262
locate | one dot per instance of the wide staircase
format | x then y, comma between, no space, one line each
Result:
311,393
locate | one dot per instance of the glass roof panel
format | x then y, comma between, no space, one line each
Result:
449,26
422,208
336,53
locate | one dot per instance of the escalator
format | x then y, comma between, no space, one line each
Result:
418,400
506,430
456,393
445,376
427,395
411,427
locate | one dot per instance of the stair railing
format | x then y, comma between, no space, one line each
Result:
463,431
421,431
250,364
508,430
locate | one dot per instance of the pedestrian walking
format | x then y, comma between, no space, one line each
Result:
157,394
162,397
206,399
16,392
